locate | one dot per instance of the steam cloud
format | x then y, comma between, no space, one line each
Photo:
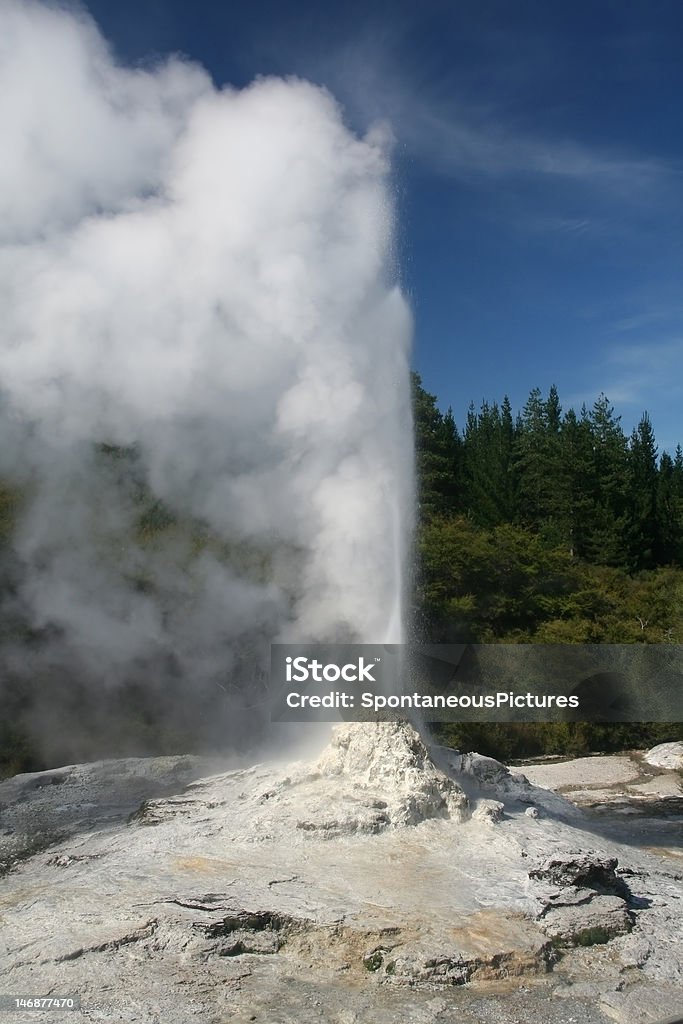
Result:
203,367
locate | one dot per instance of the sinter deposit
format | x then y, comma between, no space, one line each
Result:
382,881
666,755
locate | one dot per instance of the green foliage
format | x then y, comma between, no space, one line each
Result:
554,528
373,961
644,533
485,585
154,519
11,501
576,481
488,485
542,481
437,454
510,741
16,751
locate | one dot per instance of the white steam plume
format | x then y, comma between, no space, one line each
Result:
197,307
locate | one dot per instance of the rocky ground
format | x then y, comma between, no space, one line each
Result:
379,882
636,797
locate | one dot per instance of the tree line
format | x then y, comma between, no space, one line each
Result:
546,527
575,480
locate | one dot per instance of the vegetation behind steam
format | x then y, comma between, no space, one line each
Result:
548,527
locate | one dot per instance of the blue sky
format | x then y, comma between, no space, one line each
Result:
539,174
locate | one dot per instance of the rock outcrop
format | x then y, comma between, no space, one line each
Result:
666,755
583,901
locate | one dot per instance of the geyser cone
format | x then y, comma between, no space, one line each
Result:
372,776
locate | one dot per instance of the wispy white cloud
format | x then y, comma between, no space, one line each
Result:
459,142
575,226
649,319
458,134
646,372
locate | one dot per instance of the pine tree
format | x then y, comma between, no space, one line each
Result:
643,531
437,453
542,497
529,460
508,480
606,543
453,455
487,464
577,460
669,524
677,485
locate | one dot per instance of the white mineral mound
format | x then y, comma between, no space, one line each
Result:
345,889
666,755
373,776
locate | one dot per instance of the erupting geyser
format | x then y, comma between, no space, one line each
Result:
203,362
205,407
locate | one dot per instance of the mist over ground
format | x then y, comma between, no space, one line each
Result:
204,403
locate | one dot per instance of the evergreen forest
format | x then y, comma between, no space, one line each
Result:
548,526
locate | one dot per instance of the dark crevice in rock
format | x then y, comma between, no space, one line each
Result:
583,871
258,932
145,931
256,922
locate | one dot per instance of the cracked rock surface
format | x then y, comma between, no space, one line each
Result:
382,881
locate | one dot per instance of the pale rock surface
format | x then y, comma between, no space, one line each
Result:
666,755
596,770
357,887
631,784
491,811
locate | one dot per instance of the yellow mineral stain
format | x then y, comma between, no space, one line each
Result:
205,865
